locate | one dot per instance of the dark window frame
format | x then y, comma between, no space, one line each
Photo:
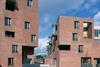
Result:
10,61
80,48
27,25
8,21
75,36
9,34
76,24
29,3
14,48
33,37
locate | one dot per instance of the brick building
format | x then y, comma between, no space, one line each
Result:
73,44
18,32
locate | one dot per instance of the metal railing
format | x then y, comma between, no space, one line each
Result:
47,65
97,65
86,65
31,65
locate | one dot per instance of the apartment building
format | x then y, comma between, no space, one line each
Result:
18,32
73,44
97,32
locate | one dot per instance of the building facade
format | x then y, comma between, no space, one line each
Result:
73,44
18,32
97,32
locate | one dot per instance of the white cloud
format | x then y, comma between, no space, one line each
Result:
42,47
97,18
43,42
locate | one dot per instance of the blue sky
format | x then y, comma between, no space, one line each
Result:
49,10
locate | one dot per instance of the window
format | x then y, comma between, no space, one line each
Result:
29,3
86,60
27,25
76,24
64,47
14,49
96,33
7,21
11,5
9,34
10,61
75,37
33,37
80,48
97,60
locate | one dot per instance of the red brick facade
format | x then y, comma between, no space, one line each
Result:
73,45
22,37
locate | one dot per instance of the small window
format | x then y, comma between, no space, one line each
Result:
27,25
9,34
96,33
80,48
30,3
33,37
10,61
75,37
76,24
7,21
14,49
64,47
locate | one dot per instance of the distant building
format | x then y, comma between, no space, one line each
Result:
73,43
18,32
96,31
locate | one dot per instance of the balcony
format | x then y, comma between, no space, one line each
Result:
97,65
86,65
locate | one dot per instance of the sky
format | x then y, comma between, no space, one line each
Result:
49,10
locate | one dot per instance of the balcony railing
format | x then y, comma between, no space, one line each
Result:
86,65
97,65
31,65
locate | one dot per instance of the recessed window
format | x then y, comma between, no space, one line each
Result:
9,34
30,3
64,47
75,37
76,24
8,21
10,61
86,60
14,49
11,5
80,48
96,32
27,25
33,37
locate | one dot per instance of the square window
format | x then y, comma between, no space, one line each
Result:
10,61
33,37
14,49
75,37
8,21
30,3
27,25
11,5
